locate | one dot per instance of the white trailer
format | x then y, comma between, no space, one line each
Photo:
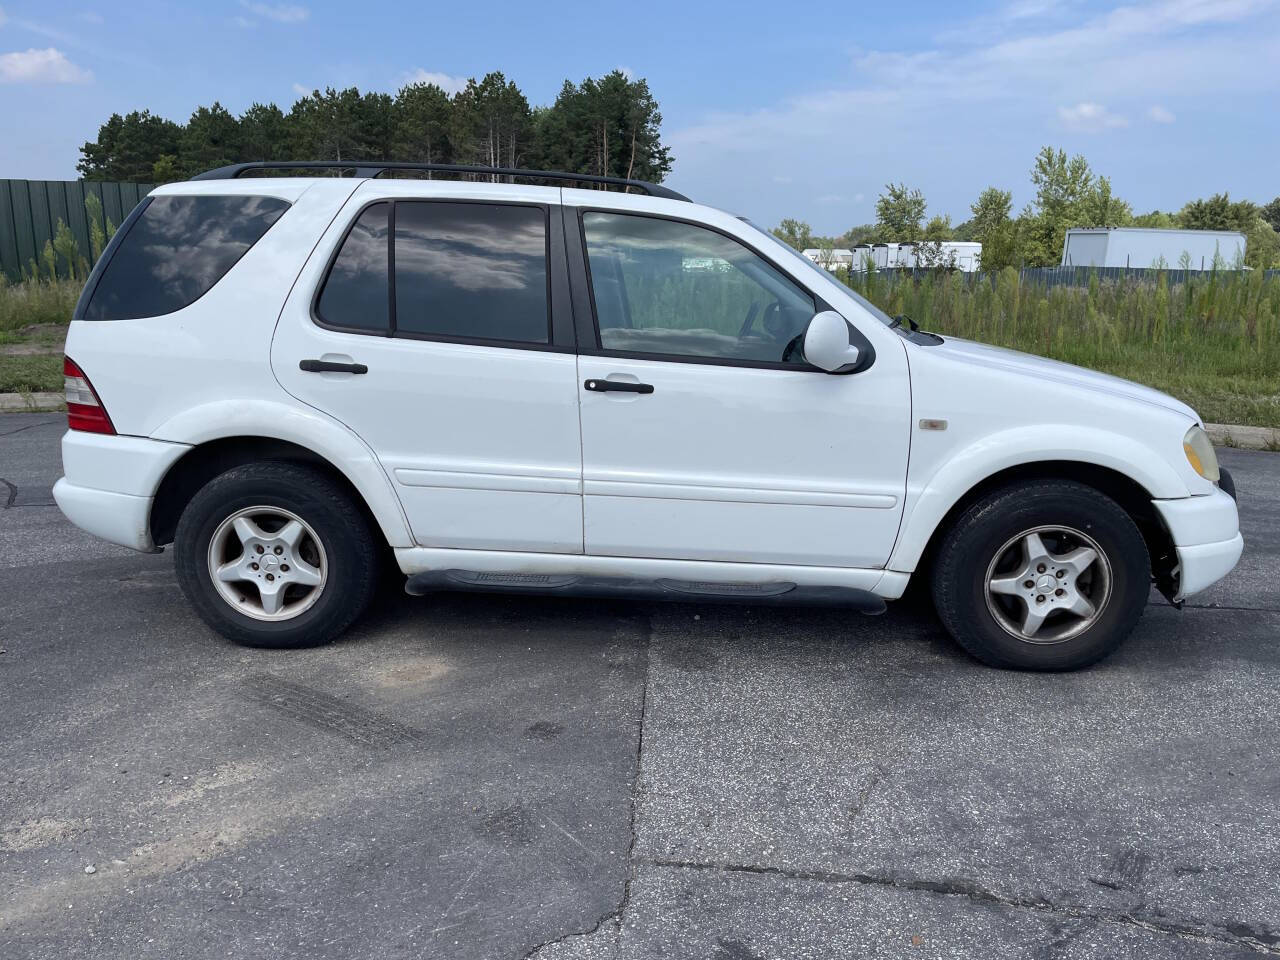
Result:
1143,247
963,255
831,259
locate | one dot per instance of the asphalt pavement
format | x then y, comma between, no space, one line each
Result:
483,777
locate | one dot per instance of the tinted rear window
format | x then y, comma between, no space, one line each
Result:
471,271
356,293
176,251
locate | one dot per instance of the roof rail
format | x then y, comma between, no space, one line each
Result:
373,168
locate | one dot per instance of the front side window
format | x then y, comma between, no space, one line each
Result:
666,288
176,250
471,271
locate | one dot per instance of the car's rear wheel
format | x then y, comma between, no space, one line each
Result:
275,555
1045,575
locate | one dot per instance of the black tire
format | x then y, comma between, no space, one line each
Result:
973,540
338,523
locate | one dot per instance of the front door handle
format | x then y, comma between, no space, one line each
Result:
329,366
622,386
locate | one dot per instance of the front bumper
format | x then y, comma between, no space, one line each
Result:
1206,536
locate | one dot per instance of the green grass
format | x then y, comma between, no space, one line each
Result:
38,302
32,303
37,374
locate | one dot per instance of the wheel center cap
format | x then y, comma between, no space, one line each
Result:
269,562
1045,583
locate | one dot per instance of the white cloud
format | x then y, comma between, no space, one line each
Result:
1090,118
302,90
449,84
626,72
279,12
1026,9
962,107
40,66
244,23
1159,114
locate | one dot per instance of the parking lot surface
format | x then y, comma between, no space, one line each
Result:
493,777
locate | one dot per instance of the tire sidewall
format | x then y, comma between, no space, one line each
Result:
993,523
311,497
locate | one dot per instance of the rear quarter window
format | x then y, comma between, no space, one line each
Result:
175,251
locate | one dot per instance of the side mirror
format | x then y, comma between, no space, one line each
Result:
826,343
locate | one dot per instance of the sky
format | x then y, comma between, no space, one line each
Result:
771,110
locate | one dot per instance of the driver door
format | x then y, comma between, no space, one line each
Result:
705,435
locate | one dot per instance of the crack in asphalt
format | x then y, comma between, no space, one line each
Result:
12,494
1223,606
31,426
615,915
1257,939
1254,938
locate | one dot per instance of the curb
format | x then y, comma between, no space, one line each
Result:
1244,438
1223,434
31,402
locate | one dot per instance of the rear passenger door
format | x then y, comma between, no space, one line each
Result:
457,309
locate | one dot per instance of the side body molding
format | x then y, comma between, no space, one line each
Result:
933,490
307,427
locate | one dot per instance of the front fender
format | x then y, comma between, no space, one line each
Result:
936,489
308,428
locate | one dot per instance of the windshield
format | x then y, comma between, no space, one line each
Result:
863,302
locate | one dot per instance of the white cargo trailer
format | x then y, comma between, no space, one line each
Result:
830,258
963,255
1142,247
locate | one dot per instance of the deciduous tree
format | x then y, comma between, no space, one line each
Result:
794,233
990,211
899,213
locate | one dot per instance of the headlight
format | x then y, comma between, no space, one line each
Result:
1199,450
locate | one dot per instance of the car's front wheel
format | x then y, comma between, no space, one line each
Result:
275,555
1045,575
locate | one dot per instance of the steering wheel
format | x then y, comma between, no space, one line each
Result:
751,316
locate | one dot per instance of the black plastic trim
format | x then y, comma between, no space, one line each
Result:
1227,483
330,366
782,593
373,168
589,325
616,386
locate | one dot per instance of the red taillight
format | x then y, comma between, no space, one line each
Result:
84,412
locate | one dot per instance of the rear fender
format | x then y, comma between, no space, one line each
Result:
307,428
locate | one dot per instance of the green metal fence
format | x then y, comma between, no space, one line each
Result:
30,211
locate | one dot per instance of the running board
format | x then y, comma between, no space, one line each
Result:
573,585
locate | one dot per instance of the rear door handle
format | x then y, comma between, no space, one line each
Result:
622,386
329,366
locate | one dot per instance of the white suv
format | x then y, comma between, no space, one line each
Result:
529,388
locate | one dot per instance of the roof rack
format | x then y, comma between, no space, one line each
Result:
373,168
